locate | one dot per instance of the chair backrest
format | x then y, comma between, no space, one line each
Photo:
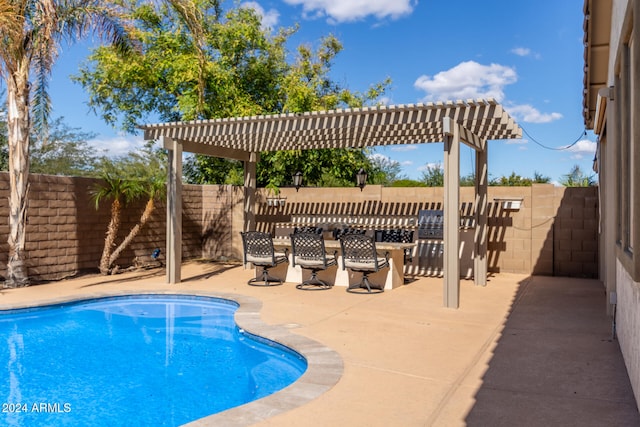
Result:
308,246
308,229
398,235
339,232
358,248
257,244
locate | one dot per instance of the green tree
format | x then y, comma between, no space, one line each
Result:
307,86
213,170
198,62
538,178
66,152
433,175
513,180
468,180
31,34
322,168
577,178
195,63
384,171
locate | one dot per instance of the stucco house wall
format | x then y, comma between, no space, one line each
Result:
615,99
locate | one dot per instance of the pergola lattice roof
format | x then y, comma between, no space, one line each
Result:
472,122
356,127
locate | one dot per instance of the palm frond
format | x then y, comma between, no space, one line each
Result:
41,101
12,39
107,20
11,27
115,187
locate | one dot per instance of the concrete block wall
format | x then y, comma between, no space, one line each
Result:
222,220
553,233
576,232
62,227
65,233
192,212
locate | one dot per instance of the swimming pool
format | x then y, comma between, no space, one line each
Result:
134,360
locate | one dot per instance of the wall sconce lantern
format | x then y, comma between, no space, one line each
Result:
297,180
361,178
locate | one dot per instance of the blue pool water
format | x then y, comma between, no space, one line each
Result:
134,361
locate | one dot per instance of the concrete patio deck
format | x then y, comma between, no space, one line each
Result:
526,351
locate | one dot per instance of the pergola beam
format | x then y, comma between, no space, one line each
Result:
471,139
208,150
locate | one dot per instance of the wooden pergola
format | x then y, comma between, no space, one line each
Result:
472,122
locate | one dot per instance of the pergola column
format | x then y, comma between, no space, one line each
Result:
451,262
481,231
174,209
250,192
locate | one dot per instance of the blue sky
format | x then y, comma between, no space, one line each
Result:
526,54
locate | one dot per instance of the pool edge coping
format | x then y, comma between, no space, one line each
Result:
324,365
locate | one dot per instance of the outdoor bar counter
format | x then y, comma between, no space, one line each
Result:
392,277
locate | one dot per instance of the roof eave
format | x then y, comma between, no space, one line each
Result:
597,32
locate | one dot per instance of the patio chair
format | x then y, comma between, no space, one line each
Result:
309,253
258,250
359,254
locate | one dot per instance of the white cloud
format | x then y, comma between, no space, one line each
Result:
529,114
516,141
269,18
354,10
467,80
385,100
525,51
521,51
117,145
582,149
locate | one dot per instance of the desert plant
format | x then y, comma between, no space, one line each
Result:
120,191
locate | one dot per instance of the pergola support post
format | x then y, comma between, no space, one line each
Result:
451,233
174,209
250,192
480,260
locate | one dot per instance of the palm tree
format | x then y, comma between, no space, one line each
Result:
153,189
121,191
32,31
140,174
